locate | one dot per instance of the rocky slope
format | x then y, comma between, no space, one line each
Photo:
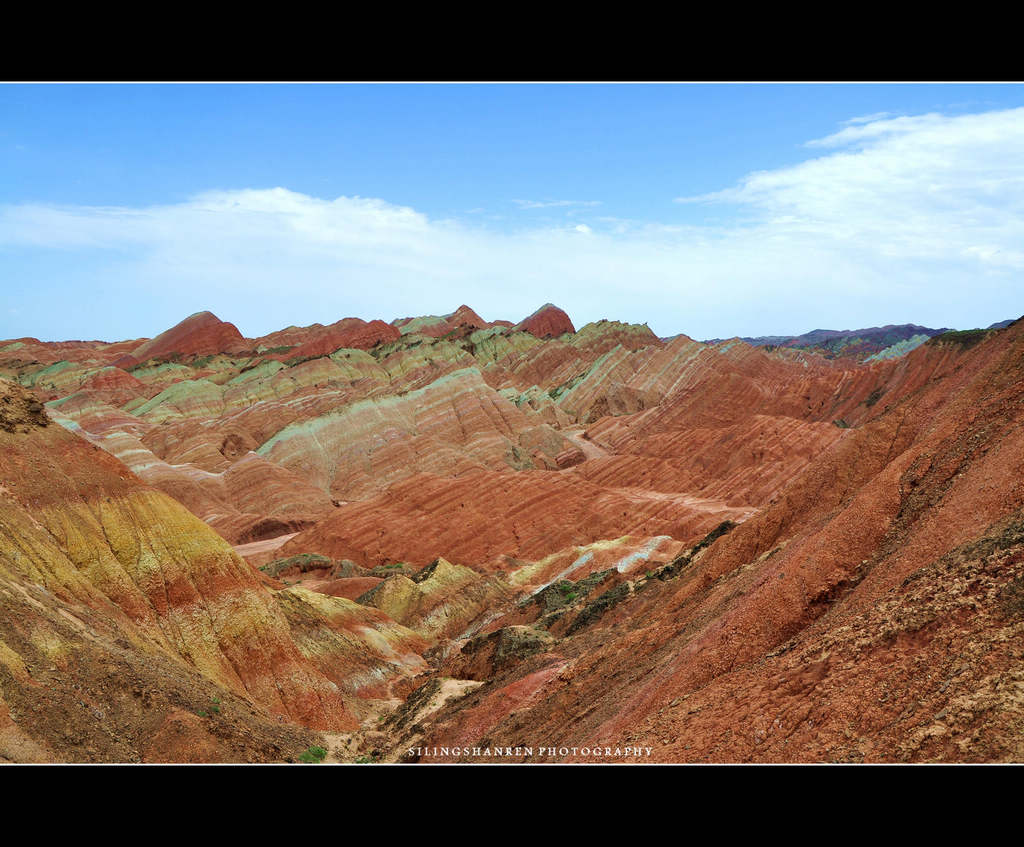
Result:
102,575
868,613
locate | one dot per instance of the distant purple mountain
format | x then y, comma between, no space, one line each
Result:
857,343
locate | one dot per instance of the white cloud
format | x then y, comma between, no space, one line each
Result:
897,219
862,129
866,119
551,204
926,188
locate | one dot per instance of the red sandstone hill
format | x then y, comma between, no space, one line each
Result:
465,316
547,322
315,341
201,334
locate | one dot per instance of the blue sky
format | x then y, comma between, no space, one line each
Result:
714,210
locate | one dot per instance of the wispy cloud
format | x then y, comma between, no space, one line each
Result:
891,219
866,129
928,188
551,204
866,119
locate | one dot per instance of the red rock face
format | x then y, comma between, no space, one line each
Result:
351,333
113,386
28,350
201,334
547,322
465,316
480,516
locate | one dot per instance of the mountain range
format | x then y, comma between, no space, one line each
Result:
424,539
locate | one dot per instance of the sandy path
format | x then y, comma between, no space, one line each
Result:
589,448
260,552
351,746
691,501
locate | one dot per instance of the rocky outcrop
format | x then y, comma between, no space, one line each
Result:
361,650
20,412
483,656
442,600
